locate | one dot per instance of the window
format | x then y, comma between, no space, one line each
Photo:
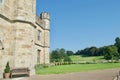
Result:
39,34
1,45
38,56
1,1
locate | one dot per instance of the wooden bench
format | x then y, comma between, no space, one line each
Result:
20,71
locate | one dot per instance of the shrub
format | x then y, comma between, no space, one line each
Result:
7,68
40,66
67,59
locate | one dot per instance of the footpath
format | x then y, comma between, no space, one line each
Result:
108,74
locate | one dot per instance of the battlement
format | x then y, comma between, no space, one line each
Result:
43,20
45,15
39,21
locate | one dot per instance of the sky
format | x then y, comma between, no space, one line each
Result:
77,24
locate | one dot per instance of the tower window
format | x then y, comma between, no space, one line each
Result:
38,56
1,1
1,45
39,34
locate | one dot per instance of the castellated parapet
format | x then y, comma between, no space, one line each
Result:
45,15
24,37
44,20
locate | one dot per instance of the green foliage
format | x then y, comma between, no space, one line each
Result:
67,59
94,60
7,68
70,53
78,52
62,53
55,56
59,55
91,51
40,66
110,52
117,44
87,59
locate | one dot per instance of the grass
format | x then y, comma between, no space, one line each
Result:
76,68
80,58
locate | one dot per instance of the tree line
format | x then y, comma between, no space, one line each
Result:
109,52
60,55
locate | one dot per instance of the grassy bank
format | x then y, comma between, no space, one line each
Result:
80,58
76,68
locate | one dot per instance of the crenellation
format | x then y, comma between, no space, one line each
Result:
45,15
39,21
43,20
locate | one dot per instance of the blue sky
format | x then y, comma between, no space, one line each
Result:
77,24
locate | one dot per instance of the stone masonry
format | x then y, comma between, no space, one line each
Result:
24,37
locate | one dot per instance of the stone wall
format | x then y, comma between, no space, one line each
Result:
24,44
6,40
19,35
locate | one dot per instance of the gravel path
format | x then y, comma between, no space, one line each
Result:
90,75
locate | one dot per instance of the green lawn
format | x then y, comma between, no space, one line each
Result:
80,58
76,68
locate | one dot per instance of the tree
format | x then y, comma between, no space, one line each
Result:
117,44
91,51
67,59
69,53
110,52
55,56
100,51
85,52
62,53
58,55
78,52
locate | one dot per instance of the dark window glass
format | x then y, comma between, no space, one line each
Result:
39,34
38,56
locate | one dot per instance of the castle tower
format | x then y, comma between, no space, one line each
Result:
45,16
25,10
24,39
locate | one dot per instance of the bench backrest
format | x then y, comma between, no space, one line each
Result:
20,70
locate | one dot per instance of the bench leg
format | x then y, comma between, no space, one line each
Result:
10,75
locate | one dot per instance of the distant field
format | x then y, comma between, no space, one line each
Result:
76,68
80,58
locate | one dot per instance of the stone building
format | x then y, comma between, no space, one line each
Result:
24,37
